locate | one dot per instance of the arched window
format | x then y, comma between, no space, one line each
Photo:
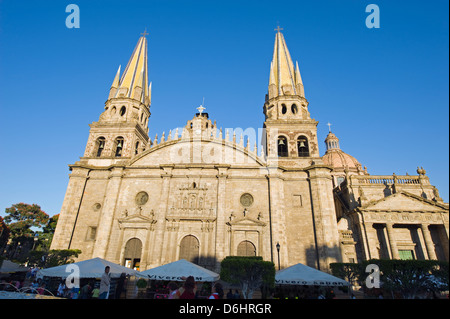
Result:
246,248
119,146
302,146
123,110
282,146
136,150
100,145
189,249
132,253
283,108
294,109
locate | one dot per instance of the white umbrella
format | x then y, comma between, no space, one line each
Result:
10,267
91,268
300,274
181,268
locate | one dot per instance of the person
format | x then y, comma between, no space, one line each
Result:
85,291
105,283
217,292
120,285
230,294
61,287
95,292
173,289
188,289
237,295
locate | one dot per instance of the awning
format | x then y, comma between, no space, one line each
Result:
300,274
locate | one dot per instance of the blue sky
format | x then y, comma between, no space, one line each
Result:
384,90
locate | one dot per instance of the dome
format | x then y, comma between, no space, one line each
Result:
338,159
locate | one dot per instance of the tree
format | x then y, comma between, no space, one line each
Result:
53,258
409,277
4,235
352,272
20,219
249,272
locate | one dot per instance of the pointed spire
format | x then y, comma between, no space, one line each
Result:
135,75
115,83
284,78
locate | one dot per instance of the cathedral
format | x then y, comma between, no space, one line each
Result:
202,194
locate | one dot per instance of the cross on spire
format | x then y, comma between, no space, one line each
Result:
145,33
201,108
278,29
329,127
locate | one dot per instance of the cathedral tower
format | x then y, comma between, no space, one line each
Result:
299,181
291,133
122,130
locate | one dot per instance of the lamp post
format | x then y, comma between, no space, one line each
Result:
278,250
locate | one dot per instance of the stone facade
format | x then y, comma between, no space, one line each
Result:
203,194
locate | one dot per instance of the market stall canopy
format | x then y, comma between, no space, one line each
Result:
91,268
9,267
300,274
182,268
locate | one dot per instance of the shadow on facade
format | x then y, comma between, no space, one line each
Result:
321,256
208,262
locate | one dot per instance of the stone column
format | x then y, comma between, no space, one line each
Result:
108,210
324,216
392,241
277,218
67,219
428,242
162,246
220,242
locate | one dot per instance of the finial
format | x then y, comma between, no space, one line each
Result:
278,29
145,33
200,109
329,127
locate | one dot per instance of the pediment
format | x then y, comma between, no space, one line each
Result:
404,201
189,151
246,221
137,221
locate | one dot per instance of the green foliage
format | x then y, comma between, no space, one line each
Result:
141,283
52,258
21,217
409,277
352,272
406,277
4,234
249,272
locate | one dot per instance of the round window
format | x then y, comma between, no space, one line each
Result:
246,200
141,198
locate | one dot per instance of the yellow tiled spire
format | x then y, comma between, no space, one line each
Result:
283,76
134,80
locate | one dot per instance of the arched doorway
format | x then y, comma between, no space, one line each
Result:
132,254
246,248
190,249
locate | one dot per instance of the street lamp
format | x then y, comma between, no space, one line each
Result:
278,250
